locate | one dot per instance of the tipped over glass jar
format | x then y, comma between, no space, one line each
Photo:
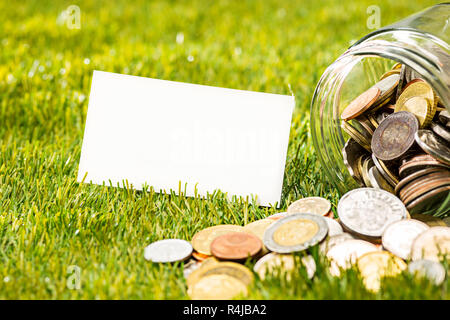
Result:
380,113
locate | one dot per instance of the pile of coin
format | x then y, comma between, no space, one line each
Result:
400,141
374,232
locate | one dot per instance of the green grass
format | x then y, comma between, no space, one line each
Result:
48,222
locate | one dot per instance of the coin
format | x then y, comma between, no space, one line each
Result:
389,73
258,228
429,200
202,239
417,163
414,176
331,241
351,152
344,254
282,263
378,181
235,246
217,287
387,87
397,66
441,131
360,104
367,164
334,228
277,216
401,81
432,270
316,205
444,117
364,125
429,220
231,269
419,88
200,256
190,267
431,145
424,185
419,106
295,232
385,171
376,265
394,136
357,136
399,236
432,244
368,211
168,250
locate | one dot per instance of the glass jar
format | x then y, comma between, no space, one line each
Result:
420,41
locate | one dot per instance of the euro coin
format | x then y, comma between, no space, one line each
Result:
419,106
168,250
432,244
202,239
316,205
399,236
295,232
368,211
235,246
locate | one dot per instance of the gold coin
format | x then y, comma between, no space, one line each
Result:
258,228
390,73
366,165
202,239
358,137
217,287
231,269
316,205
376,265
419,106
419,89
295,232
397,66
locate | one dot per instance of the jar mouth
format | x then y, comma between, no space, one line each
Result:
405,46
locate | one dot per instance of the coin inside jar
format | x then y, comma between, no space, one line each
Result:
361,104
394,136
431,145
419,106
235,246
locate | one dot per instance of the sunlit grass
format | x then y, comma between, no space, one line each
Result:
48,222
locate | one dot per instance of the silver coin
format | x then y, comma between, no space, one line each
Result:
330,242
431,145
368,211
432,270
350,153
440,131
432,244
303,230
444,117
378,181
168,250
345,254
317,205
399,236
190,267
334,228
387,86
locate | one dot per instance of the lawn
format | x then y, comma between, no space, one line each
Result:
49,223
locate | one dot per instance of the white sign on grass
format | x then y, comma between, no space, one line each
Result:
158,133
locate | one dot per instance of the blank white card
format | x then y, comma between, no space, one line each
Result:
160,133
